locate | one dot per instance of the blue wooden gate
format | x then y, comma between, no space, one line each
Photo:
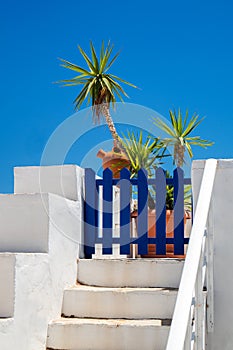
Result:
125,184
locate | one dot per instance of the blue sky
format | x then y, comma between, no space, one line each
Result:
180,54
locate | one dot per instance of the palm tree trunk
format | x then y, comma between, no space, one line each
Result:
111,126
179,154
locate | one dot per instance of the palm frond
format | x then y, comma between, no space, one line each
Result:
142,154
106,57
87,59
189,149
164,127
193,124
179,123
186,118
112,61
174,122
116,85
124,81
94,57
81,97
74,67
102,87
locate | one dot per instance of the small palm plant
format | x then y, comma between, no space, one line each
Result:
179,135
147,155
99,87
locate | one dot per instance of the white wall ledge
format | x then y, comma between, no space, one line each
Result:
221,164
64,180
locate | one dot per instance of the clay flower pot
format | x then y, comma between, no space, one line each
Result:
115,161
169,234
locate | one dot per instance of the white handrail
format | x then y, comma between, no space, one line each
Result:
181,316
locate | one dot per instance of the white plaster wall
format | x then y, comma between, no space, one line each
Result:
40,279
25,220
64,180
221,214
24,223
7,284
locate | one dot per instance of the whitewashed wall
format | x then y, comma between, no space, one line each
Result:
221,213
40,278
7,285
42,235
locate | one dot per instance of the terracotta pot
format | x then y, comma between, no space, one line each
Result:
169,234
115,161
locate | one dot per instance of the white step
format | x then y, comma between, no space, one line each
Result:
92,334
125,302
130,272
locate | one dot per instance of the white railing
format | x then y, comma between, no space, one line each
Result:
192,319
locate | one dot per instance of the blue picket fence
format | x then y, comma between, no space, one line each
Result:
125,185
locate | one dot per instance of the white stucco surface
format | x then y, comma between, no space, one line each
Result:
64,180
40,278
26,220
222,221
7,284
24,223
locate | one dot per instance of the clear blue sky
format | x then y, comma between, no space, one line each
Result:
180,53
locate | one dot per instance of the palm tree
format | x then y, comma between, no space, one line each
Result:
99,87
179,133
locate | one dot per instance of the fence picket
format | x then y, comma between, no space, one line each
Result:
142,212
178,176
160,209
125,195
90,213
107,211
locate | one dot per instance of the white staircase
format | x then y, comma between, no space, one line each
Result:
123,304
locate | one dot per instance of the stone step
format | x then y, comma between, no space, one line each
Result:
130,272
125,302
103,334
